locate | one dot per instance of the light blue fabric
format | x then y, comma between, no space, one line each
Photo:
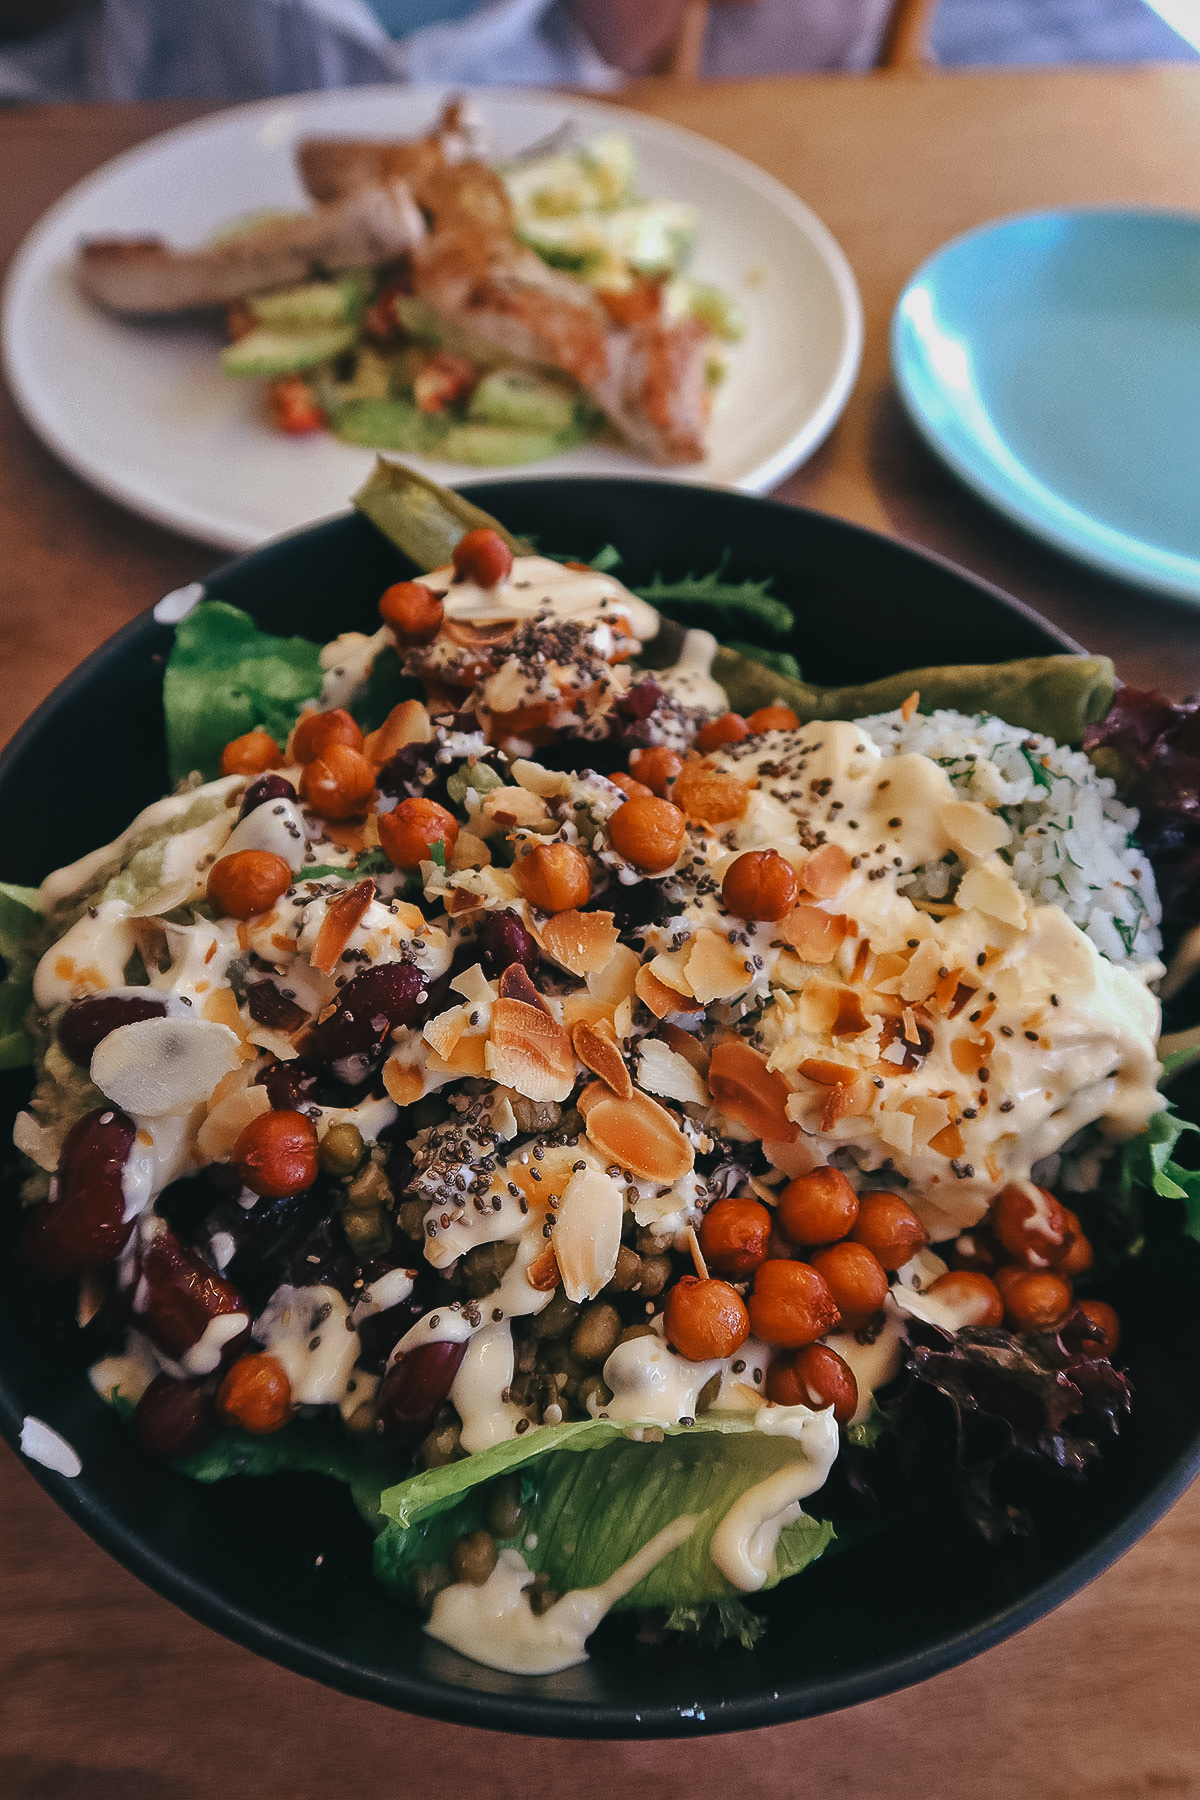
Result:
245,49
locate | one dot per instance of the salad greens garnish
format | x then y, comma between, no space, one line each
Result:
225,677
20,917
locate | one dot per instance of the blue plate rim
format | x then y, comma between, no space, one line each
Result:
1114,553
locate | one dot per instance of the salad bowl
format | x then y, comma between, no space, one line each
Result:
282,1564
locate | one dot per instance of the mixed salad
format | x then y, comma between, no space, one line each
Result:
434,303
618,1107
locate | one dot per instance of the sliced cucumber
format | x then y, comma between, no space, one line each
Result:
518,397
266,352
600,173
311,305
498,446
386,425
723,315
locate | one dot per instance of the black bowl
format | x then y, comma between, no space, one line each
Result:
282,1564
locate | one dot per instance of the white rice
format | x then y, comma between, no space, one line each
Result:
1072,838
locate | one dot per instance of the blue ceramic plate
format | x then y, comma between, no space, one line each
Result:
1053,361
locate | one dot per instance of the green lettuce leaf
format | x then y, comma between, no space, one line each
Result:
225,677
20,921
714,604
303,1447
593,1493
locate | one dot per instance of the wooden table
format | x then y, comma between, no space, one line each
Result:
107,1692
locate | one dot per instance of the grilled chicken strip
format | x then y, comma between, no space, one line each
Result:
646,375
334,168
144,275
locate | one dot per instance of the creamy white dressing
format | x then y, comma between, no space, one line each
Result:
277,826
494,1623
480,1390
310,1331
744,1543
42,1444
537,586
689,679
160,815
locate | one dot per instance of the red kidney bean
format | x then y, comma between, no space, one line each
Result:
290,1085
266,787
370,1006
177,1298
173,1418
503,940
87,1022
84,1226
415,1387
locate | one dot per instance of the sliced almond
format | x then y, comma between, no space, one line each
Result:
462,900
408,723
443,1031
717,969
639,1135
403,1080
474,986
515,984
593,1093
656,995
826,872
587,1237
507,806
707,795
163,1066
850,1019
469,852
671,969
530,1051
817,1007
342,919
972,829
948,1142
990,889
581,1008
228,1119
615,982
921,976
814,935
543,1272
686,1045
663,1071
581,943
597,1048
469,1055
546,782
745,1089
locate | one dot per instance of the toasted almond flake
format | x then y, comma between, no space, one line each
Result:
971,829
546,782
947,1142
407,723
848,1099
581,943
515,984
686,1044
530,1051
921,976
580,1008
896,1131
969,1054
655,995
157,1068
991,889
615,982
543,1272
826,872
716,969
227,1120
474,986
469,1056
221,1008
508,806
663,1071
912,1031
587,1237
929,1116
410,916
850,1020
597,1048
817,1007
693,1244
623,1021
640,1135
469,852
745,1089
342,919
443,1031
816,936
404,1081
462,900
593,1093
909,706
671,969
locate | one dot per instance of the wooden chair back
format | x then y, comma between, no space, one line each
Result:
903,45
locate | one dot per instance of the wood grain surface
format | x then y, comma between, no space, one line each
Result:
108,1692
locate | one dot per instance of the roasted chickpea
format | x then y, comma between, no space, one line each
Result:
276,1155
482,556
648,833
728,728
1079,1255
256,1394
889,1228
250,754
413,611
1102,1334
818,1208
705,1319
657,767
856,1279
773,718
633,790
791,1305
973,1299
1030,1224
1034,1299
317,732
760,884
339,783
247,882
815,1376
409,832
555,877
735,1236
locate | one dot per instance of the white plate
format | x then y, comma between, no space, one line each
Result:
143,412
